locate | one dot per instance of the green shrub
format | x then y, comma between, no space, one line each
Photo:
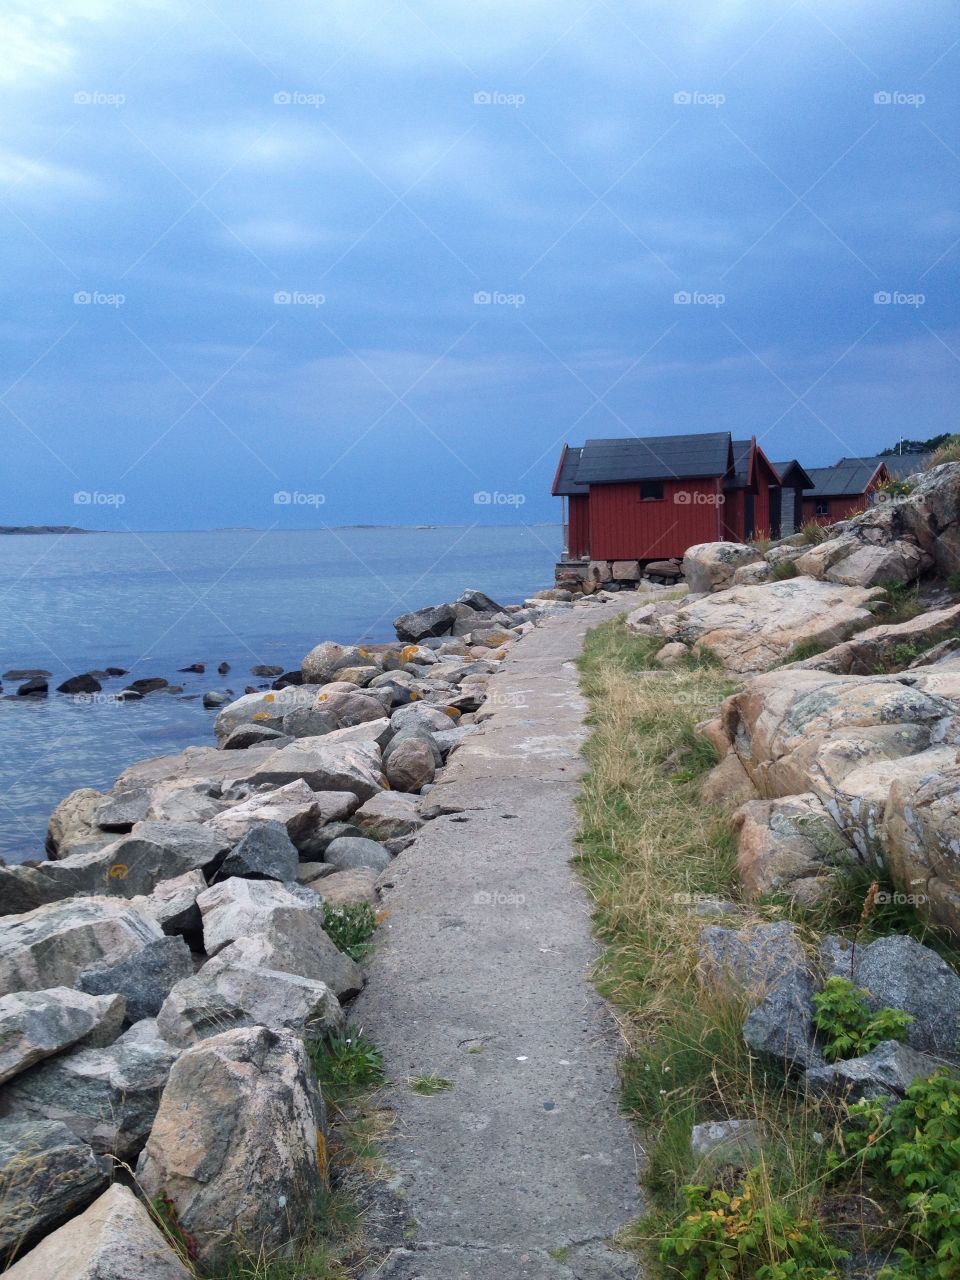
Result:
347,1063
850,1027
351,927
746,1236
915,1149
783,570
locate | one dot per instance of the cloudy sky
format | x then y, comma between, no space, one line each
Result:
386,254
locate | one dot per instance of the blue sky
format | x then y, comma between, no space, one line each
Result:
381,164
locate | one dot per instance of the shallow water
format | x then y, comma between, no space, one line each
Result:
154,602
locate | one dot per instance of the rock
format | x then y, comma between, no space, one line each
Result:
867,652
789,840
781,1025
349,767
361,675
350,708
663,569
710,566
35,688
232,990
51,946
419,715
147,684
249,1096
899,973
265,671
107,1096
389,814
728,783
853,563
73,827
435,621
136,863
80,684
173,904
751,574
411,766
24,889
753,959
266,852
449,740
887,1070
621,571
264,710
216,698
26,673
236,908
343,888
333,831
47,1175
321,663
377,732
921,842
726,1141
143,979
36,1024
287,679
753,628
418,731
491,637
479,602
348,852
182,802
931,515
250,735
115,1239
599,571
302,811
195,668
119,810
671,654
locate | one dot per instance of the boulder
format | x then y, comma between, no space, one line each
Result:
434,621
479,602
214,699
238,1144
119,810
232,990
266,852
726,1141
173,904
751,629
411,766
710,566
265,671
343,888
144,979
781,1025
620,571
47,1175
80,684
855,563
749,575
931,515
888,1070
303,811
389,814
181,802
250,735
352,767
73,827
376,732
106,1096
37,1024
671,654
322,662
236,908
115,1239
349,708
870,651
51,946
921,842
900,973
35,688
728,783
790,846
420,715
292,942
599,571
753,959
24,889
262,710
348,852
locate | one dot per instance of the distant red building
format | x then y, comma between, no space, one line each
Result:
651,499
843,490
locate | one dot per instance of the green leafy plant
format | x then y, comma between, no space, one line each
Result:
351,927
849,1026
164,1210
915,1147
744,1235
347,1062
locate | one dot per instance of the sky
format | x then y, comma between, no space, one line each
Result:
374,262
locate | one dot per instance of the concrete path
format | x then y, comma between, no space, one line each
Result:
525,1167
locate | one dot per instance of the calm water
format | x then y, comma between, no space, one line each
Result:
154,602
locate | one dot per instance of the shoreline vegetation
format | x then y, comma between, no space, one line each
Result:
748,1175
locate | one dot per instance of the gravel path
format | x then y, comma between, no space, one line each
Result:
524,1167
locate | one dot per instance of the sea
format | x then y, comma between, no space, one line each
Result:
155,602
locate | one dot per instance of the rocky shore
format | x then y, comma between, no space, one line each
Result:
163,967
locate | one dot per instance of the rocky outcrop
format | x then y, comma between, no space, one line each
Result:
115,1239
853,562
710,566
238,1143
324,767
878,648
790,846
302,810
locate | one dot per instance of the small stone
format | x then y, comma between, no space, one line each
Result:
266,852
347,852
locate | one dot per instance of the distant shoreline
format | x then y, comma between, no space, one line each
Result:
416,528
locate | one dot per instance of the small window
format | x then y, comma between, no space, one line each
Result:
651,490
823,508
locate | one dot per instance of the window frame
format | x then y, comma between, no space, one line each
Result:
658,497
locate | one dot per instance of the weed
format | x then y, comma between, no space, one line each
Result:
350,926
850,1029
429,1085
346,1063
783,570
813,532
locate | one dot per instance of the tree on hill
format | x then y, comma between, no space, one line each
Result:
920,446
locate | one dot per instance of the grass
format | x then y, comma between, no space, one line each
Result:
783,570
428,1085
813,532
648,847
350,926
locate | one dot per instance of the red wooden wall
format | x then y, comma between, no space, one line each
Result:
622,527
578,518
839,508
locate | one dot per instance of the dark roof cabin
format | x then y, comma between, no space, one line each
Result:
793,480
898,465
843,490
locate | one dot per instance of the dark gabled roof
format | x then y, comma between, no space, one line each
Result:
848,480
792,475
654,458
566,483
741,465
898,465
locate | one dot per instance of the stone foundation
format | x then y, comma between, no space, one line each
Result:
587,576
